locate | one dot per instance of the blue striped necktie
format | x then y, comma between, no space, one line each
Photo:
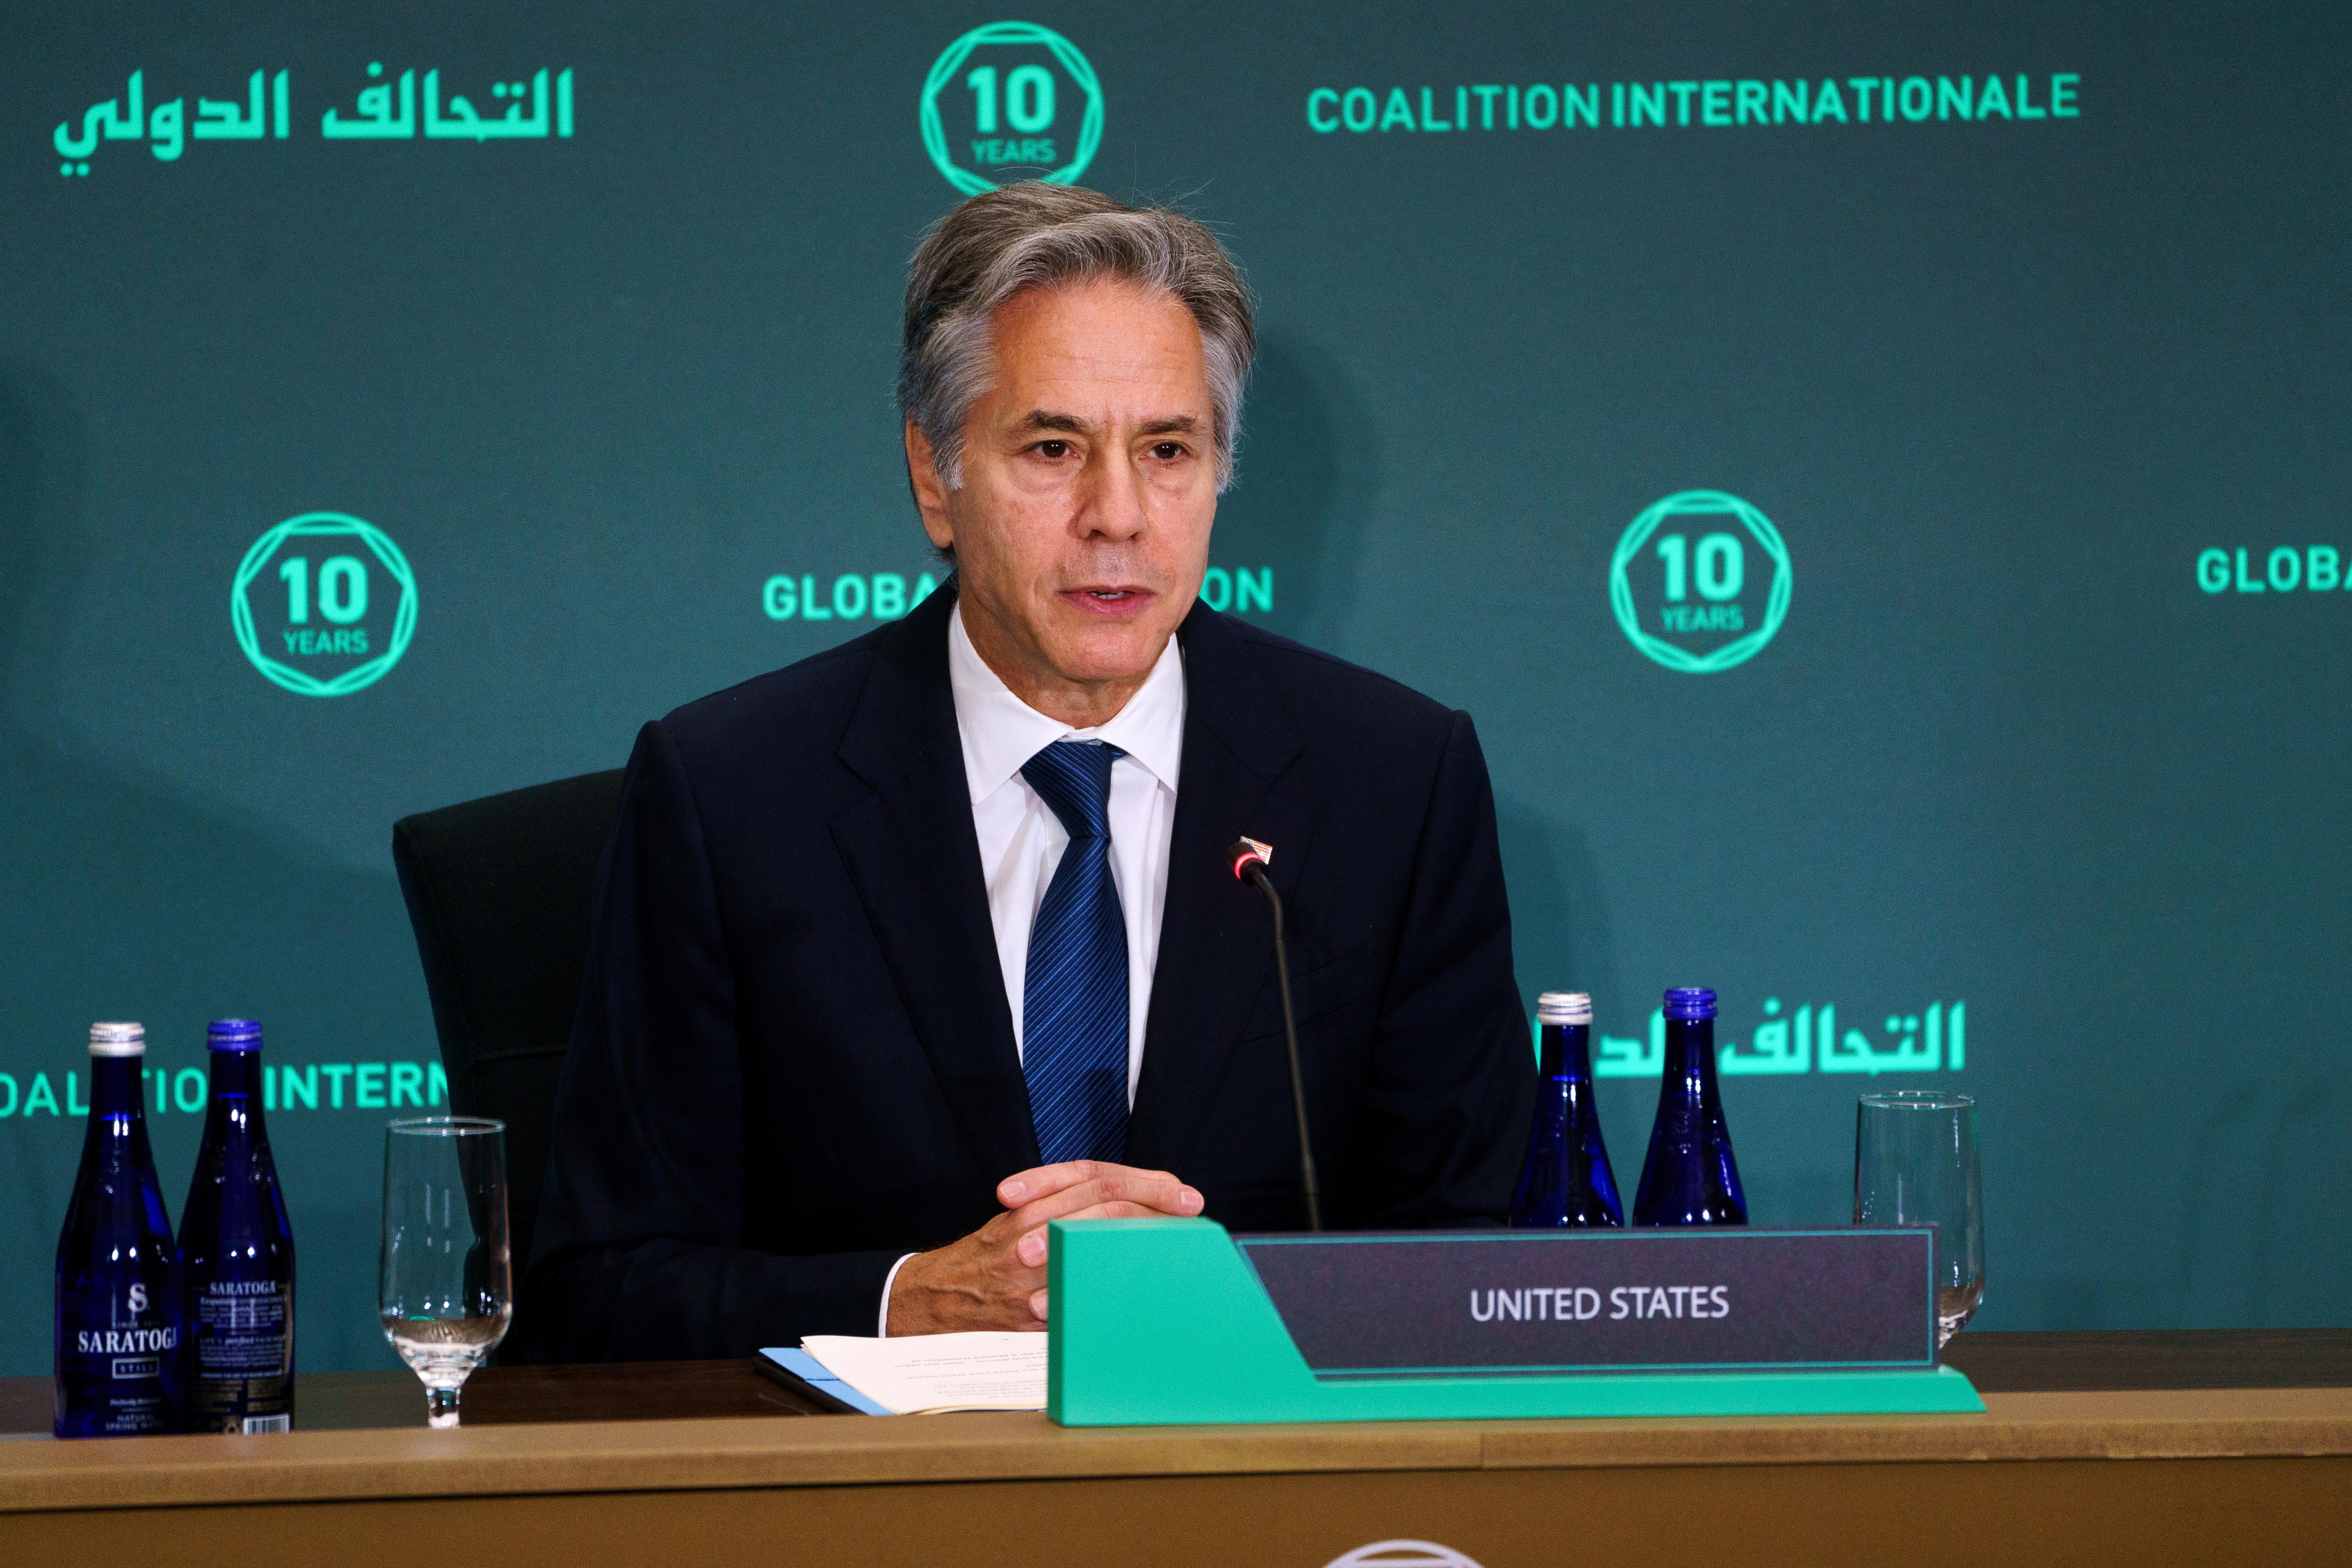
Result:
1074,1000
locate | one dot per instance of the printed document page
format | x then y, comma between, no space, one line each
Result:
923,1374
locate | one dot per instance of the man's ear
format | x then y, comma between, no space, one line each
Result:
930,490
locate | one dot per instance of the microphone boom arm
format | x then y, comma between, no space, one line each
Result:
1254,871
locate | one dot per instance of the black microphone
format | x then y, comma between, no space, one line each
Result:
1249,859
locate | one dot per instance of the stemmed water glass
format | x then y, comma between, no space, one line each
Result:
445,1282
1915,1163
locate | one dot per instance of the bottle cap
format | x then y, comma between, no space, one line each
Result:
1564,1007
233,1034
118,1039
1690,1002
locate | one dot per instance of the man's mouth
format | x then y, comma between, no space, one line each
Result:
1109,598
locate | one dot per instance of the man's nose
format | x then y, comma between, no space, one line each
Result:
1114,509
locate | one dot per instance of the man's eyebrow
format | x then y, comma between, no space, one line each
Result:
1046,419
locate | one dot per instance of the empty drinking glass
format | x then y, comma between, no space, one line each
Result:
1914,1163
446,1283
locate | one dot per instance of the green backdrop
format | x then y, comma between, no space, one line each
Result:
1874,473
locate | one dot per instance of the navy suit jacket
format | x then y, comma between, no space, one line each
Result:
793,1060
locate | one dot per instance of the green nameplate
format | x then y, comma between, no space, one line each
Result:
1161,1323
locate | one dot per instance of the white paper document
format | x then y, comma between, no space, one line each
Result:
923,1374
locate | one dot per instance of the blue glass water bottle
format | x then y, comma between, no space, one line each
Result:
237,1254
1566,1180
1690,1177
118,1320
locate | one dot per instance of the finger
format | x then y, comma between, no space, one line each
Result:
1015,1223
1157,1191
1032,1249
1117,1208
1037,1305
1027,1186
1059,1206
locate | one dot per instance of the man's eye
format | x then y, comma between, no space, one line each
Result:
1168,451
1053,449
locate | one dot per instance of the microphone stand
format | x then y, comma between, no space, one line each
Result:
1254,871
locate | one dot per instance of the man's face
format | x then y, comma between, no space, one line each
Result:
1081,530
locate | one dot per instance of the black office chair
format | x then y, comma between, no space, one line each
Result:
500,891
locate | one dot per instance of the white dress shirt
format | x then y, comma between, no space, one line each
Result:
1021,839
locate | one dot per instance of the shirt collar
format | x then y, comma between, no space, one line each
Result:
1000,732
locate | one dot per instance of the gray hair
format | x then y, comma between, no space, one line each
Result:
1028,236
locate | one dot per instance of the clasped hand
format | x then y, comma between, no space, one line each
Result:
995,1278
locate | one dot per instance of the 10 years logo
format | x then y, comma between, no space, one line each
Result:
323,605
1011,101
1707,605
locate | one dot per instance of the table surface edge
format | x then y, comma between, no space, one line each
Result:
686,1455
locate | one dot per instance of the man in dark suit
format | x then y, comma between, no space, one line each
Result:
908,949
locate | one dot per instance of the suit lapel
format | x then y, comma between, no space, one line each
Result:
1215,946
912,853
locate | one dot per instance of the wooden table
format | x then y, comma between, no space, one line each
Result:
2139,1447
